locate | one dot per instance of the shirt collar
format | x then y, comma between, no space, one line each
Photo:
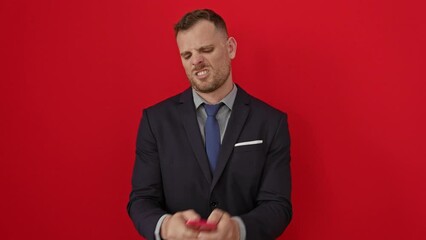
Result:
228,100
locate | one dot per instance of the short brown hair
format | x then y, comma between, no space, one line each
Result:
191,18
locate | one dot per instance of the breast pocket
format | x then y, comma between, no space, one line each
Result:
247,161
248,148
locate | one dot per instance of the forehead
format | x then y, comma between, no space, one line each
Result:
201,34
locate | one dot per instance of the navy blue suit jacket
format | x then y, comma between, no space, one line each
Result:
171,171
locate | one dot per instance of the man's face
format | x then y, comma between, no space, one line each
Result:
206,55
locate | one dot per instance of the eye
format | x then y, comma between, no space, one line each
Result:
207,49
186,56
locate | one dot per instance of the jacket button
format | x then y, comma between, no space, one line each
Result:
213,204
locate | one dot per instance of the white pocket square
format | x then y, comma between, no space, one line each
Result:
248,143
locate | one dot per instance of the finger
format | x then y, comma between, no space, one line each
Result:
190,234
215,216
174,227
190,215
208,235
227,228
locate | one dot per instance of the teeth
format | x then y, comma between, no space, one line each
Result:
201,73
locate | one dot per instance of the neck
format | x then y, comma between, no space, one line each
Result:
217,95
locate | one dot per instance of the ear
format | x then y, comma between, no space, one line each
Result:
232,47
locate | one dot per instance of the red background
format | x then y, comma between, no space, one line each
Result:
75,76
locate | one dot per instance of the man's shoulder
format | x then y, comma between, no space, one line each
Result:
170,102
263,108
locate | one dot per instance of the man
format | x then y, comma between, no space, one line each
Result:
212,152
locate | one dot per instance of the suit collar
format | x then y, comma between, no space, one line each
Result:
186,96
189,120
235,125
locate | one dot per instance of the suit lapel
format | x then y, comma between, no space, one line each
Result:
239,114
189,119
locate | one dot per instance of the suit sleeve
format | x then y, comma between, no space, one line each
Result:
273,210
146,198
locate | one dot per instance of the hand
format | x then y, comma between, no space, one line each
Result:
174,227
227,228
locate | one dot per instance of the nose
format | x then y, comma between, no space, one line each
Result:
197,59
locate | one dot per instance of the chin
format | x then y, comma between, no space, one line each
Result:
207,89
203,87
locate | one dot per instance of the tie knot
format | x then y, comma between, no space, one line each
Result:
212,110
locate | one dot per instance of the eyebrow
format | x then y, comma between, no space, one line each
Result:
203,48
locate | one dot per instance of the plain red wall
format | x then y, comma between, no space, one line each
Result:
75,76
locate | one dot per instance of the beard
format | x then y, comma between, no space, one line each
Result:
213,82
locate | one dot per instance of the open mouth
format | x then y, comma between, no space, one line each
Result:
202,73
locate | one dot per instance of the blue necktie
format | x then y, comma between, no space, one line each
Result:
212,134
